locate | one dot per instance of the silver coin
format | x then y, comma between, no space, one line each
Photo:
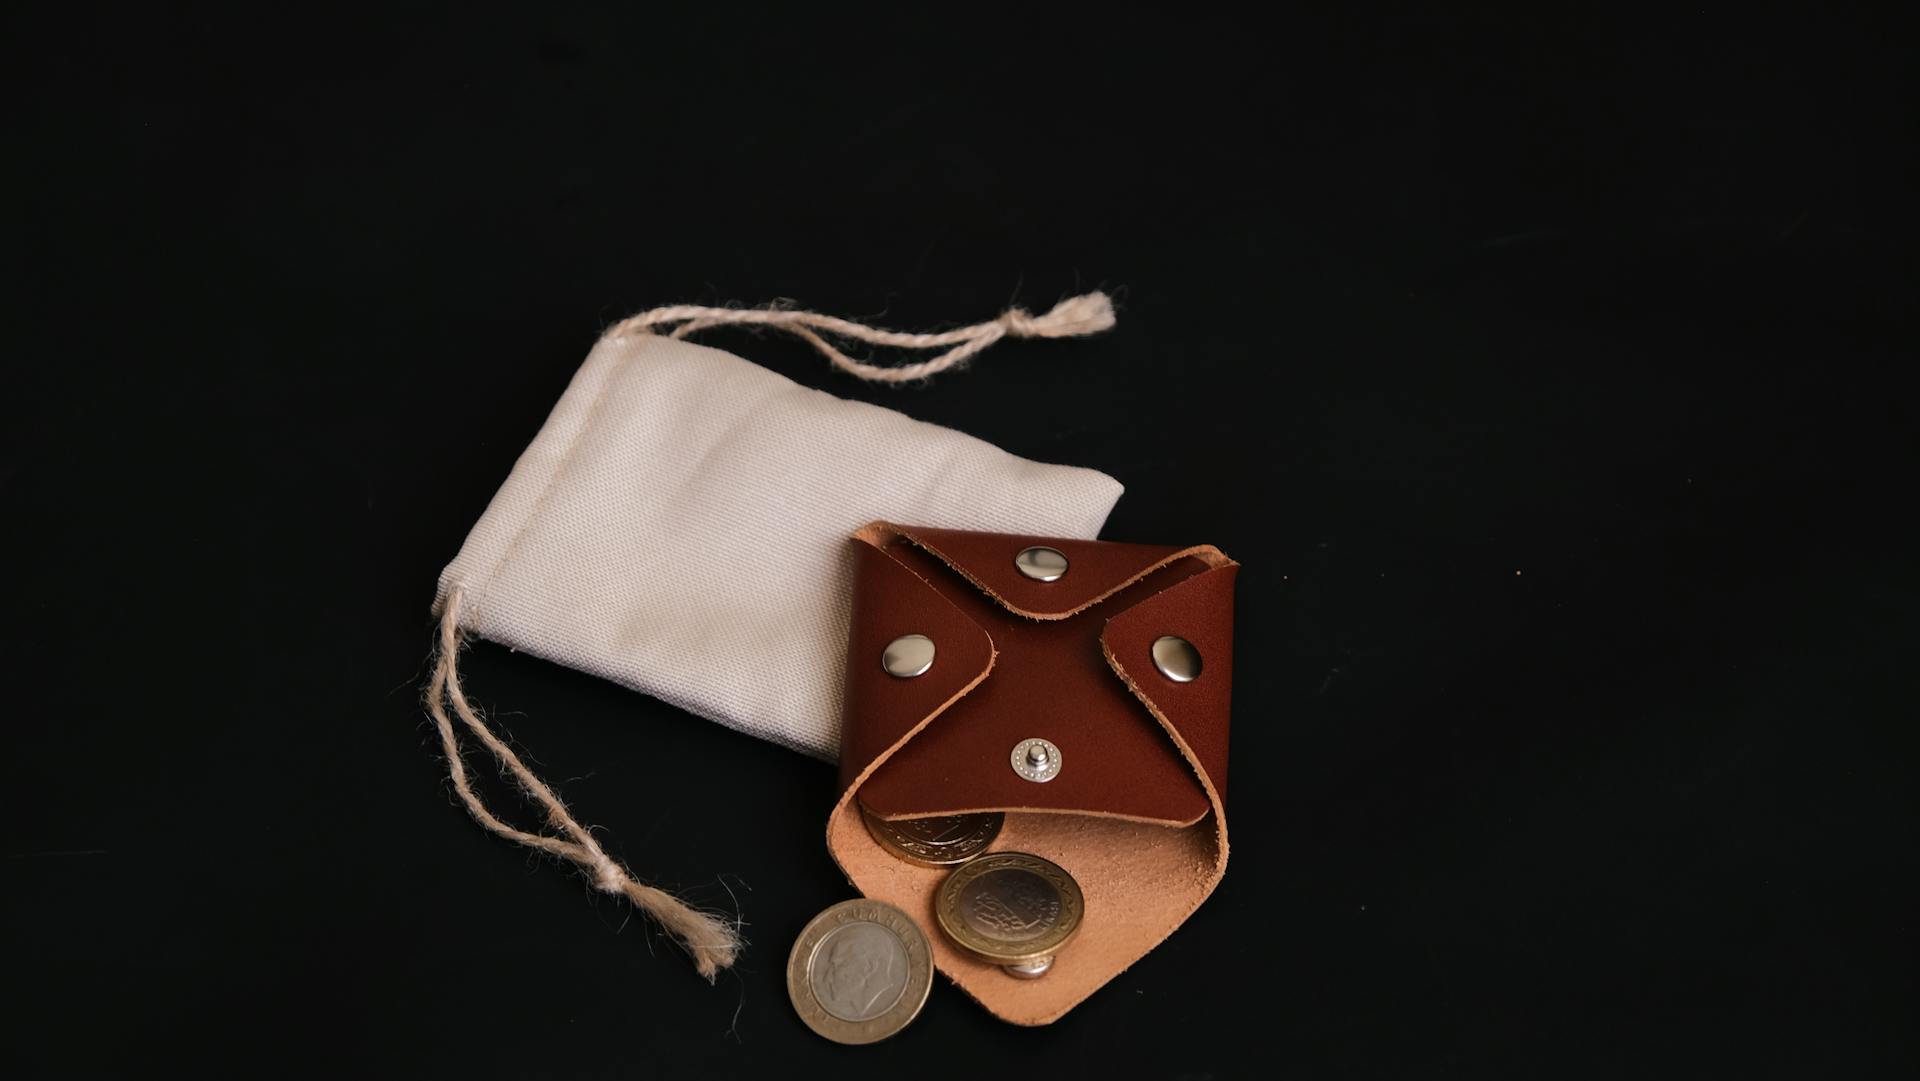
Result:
859,972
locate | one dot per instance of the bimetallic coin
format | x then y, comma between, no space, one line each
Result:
939,841
859,972
1011,908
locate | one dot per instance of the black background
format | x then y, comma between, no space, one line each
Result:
1540,373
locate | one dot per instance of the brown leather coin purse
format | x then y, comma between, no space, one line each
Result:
1135,808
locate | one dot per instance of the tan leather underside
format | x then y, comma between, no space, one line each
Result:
1140,882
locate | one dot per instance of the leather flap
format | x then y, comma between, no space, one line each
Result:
1096,569
890,600
1200,610
1002,674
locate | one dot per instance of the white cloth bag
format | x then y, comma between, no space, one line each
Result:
680,526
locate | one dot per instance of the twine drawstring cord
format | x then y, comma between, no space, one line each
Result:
1073,317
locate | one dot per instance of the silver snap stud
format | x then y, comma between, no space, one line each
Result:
1032,970
1036,759
1041,564
907,656
1176,659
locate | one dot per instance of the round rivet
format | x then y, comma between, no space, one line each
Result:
1041,564
907,656
1036,759
1176,659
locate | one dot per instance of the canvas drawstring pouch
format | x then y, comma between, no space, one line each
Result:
660,447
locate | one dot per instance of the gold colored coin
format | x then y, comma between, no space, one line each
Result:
1010,908
859,972
939,841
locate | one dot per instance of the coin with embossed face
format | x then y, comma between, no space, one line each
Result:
940,841
1011,908
859,972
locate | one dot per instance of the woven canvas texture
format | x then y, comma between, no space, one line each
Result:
680,526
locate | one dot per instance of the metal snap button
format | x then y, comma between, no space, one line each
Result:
1011,909
1036,759
907,656
1176,659
1042,564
